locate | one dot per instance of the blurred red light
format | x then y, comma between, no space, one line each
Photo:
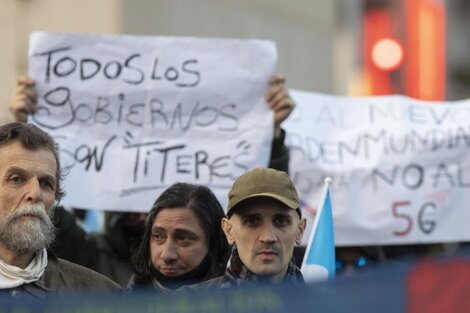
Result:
387,54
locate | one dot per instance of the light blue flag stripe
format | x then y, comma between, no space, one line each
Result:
322,250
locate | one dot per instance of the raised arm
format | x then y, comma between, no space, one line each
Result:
23,99
279,100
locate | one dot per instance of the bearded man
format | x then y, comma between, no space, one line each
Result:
30,178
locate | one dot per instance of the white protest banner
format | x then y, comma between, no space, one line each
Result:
135,114
400,167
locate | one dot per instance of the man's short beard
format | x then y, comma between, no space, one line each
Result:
27,229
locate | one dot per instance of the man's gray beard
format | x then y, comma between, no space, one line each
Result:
27,234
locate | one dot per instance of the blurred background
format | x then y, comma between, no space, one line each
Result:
344,47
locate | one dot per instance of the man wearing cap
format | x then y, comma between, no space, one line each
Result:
263,225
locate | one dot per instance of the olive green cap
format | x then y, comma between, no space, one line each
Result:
263,182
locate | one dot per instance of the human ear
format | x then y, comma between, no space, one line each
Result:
227,228
301,229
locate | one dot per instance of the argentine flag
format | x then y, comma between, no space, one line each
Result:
319,260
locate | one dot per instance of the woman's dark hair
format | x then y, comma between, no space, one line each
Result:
33,138
202,201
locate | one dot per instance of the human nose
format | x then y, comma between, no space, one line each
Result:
268,234
33,191
169,252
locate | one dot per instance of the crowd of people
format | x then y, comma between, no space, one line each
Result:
184,241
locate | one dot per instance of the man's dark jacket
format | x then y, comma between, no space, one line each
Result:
63,277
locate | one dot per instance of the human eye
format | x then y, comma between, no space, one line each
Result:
47,184
158,237
282,221
251,221
185,239
15,178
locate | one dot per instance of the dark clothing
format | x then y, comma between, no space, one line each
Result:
224,282
108,253
108,261
238,275
113,249
279,154
136,283
62,277
71,243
